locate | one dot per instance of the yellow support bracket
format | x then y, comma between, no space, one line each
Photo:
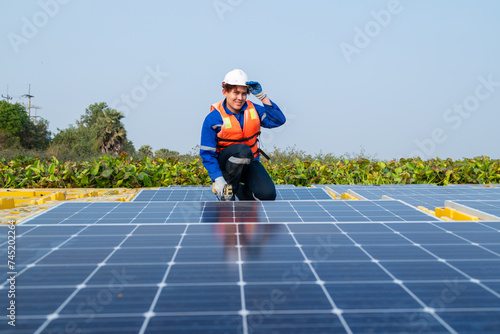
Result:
423,208
453,214
348,196
17,194
7,203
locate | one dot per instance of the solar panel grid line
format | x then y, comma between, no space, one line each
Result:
200,220
350,204
82,316
490,227
265,213
82,285
465,274
243,312
171,211
470,242
386,210
148,315
362,214
56,313
333,217
295,210
401,283
19,235
321,283
446,262
22,271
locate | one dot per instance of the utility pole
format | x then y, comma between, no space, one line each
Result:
29,107
7,97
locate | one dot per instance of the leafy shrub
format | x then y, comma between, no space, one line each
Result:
109,172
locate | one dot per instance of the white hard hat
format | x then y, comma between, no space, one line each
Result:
236,78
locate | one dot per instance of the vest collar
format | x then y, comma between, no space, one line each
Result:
229,112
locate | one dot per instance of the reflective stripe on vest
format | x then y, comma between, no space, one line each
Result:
231,131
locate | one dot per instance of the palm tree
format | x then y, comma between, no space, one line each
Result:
112,134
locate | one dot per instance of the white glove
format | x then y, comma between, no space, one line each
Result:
219,184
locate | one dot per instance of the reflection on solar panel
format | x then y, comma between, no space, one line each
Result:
288,266
228,212
176,194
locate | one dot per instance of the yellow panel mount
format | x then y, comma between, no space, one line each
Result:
453,214
348,196
7,203
423,208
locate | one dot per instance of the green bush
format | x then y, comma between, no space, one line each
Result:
109,172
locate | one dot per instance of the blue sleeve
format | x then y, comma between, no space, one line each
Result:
208,145
271,116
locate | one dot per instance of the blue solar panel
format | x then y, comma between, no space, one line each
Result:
458,192
176,194
429,196
228,212
288,266
328,277
345,188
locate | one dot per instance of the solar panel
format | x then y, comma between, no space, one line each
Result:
300,193
458,192
97,213
296,265
196,277
176,194
339,189
438,200
184,186
427,196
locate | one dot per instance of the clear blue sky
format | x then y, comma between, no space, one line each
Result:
398,78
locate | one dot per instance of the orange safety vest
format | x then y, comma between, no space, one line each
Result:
231,132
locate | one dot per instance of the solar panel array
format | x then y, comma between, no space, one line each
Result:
345,188
429,196
174,194
305,265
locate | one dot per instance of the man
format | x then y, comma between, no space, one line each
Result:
229,139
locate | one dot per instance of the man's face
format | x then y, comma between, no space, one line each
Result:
235,98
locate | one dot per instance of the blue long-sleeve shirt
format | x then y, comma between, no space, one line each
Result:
270,117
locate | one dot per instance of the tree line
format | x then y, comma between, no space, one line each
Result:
99,131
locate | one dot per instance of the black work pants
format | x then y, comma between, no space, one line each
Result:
248,177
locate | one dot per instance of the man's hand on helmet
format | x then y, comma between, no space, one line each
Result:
256,89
